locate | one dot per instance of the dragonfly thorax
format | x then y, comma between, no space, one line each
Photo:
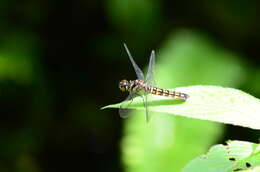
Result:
135,86
124,85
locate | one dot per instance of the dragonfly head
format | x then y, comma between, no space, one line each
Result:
124,85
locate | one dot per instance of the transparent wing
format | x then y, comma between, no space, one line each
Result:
123,111
138,71
147,117
150,72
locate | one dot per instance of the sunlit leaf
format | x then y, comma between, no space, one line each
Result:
213,103
235,156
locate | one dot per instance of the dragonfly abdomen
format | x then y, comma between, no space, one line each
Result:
166,93
139,85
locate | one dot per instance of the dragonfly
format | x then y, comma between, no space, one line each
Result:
143,86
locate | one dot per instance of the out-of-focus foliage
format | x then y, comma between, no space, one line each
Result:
168,143
136,20
135,14
193,59
17,62
254,82
232,19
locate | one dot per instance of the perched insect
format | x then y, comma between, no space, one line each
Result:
144,86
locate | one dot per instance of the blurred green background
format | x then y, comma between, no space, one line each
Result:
61,61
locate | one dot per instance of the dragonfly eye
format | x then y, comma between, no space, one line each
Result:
123,85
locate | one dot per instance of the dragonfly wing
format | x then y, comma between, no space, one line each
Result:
123,111
147,117
138,71
150,72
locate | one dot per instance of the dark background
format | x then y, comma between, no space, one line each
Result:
60,62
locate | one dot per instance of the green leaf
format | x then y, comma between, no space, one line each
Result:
235,156
214,103
254,169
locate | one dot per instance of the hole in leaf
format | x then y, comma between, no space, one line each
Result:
248,165
232,159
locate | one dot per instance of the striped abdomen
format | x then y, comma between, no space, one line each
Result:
166,93
140,85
